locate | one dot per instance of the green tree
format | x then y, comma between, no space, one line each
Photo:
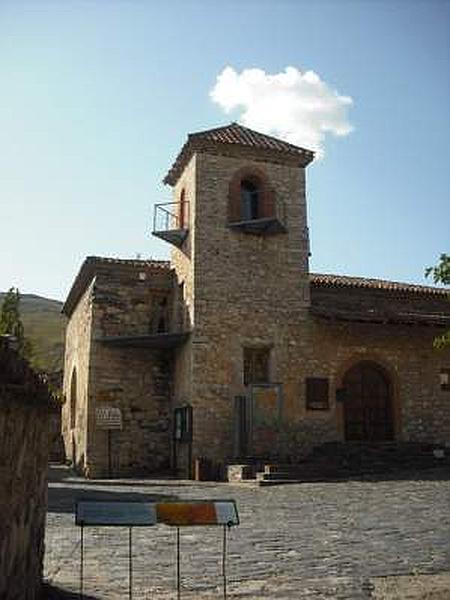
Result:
11,323
441,274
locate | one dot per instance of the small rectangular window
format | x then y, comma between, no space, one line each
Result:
256,365
444,380
317,393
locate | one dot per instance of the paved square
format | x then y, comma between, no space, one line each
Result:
355,540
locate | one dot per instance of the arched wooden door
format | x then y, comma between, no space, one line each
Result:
368,414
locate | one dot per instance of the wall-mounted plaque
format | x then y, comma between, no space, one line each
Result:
108,417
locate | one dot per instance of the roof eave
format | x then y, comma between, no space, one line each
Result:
193,145
82,280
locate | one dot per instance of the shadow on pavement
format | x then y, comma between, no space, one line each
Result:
63,499
49,592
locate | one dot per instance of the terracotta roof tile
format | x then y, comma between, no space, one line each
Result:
132,262
234,135
340,281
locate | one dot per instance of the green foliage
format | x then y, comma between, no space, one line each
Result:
11,322
44,326
441,274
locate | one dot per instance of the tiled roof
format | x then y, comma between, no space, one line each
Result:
132,262
343,298
345,281
92,264
235,135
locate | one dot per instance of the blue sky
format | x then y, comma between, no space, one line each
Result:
96,99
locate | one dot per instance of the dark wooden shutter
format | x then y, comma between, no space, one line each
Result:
317,393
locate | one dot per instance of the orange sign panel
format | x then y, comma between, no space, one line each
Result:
197,513
184,513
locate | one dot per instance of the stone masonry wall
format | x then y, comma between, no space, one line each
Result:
77,358
129,301
421,408
184,268
24,418
253,291
249,290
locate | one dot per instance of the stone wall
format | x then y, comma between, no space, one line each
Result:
183,264
406,353
253,291
131,300
77,359
24,417
247,290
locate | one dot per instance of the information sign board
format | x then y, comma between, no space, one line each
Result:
131,514
179,514
108,417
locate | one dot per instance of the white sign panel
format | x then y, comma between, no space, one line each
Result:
108,417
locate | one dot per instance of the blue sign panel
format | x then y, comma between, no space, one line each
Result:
128,514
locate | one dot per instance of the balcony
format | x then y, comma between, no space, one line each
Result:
267,225
151,341
170,222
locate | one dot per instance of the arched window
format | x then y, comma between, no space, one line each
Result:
250,200
73,398
250,196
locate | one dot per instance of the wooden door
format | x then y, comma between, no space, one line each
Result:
367,404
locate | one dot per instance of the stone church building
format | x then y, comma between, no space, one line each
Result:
233,350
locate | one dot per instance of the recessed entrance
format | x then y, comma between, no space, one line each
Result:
368,414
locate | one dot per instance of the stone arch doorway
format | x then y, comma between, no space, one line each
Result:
368,405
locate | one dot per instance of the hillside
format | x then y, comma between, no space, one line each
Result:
44,326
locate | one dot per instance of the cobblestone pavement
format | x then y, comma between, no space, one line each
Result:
350,540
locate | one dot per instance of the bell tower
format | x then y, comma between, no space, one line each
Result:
239,233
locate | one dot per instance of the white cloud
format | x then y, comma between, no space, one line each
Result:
294,105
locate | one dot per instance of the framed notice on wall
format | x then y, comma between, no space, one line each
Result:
266,402
108,418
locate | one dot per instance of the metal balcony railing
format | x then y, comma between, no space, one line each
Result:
275,223
171,222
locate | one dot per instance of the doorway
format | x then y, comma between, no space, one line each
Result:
368,411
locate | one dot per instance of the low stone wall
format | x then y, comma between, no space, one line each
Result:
24,434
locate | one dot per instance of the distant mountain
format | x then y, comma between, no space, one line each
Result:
45,326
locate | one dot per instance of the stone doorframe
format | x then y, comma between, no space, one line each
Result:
391,376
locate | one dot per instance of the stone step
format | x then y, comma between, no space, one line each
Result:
338,462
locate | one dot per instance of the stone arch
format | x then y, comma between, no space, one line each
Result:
258,179
73,398
370,408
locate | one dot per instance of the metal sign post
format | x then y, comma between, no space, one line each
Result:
108,418
130,564
146,514
194,513
81,560
113,514
178,565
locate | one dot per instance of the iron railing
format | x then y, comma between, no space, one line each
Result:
171,216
